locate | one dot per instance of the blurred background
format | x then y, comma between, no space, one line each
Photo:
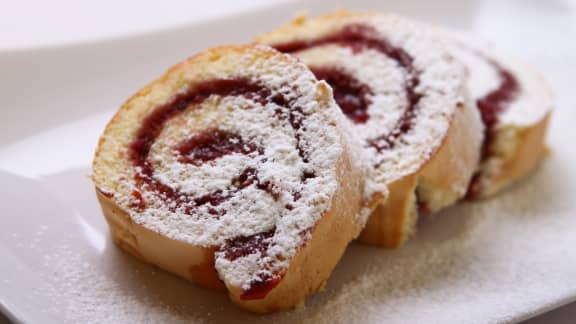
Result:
35,23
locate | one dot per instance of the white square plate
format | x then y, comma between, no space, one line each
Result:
496,261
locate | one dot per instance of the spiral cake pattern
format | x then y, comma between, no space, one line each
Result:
406,98
237,153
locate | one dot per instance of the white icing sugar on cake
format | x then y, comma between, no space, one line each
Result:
271,143
441,86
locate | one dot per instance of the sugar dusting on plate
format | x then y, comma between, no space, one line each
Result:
89,295
484,262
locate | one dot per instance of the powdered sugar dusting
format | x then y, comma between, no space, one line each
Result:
441,86
89,296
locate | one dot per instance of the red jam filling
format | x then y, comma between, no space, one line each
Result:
354,96
351,95
137,201
212,145
259,288
246,245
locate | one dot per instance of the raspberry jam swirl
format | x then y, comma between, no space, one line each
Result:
491,106
215,143
354,96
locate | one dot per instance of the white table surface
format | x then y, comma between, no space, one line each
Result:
29,24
